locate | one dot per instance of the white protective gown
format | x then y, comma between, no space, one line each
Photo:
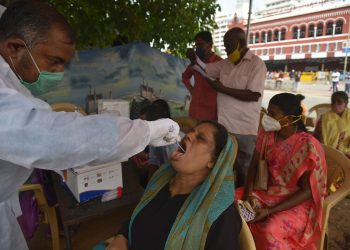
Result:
33,136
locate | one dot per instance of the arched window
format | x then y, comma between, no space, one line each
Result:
257,37
311,30
319,31
295,33
283,34
251,40
275,35
269,36
263,37
339,27
329,28
302,31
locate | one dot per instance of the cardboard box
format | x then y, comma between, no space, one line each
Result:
114,106
92,181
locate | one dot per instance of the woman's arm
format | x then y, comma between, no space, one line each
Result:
118,243
251,175
300,196
224,232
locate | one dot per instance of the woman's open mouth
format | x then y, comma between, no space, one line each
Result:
181,151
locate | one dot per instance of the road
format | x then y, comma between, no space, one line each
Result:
314,94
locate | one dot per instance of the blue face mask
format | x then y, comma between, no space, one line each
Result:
46,80
200,53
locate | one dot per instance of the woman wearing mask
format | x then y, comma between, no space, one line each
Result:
289,213
333,127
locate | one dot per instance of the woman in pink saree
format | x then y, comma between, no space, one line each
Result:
289,212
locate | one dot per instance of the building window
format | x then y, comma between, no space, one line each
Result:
340,45
275,35
311,30
302,31
257,37
269,36
329,29
251,39
313,48
305,48
319,31
339,27
283,34
295,33
263,37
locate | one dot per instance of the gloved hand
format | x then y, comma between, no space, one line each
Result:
163,132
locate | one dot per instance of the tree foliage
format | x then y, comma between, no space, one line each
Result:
169,24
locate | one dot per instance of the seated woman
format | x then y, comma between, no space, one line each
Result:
188,203
333,127
289,212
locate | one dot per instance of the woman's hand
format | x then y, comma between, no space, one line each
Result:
118,243
254,202
260,214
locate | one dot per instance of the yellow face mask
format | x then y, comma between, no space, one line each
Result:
235,55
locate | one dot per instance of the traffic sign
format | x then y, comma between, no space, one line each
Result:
346,50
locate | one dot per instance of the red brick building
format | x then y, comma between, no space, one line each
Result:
308,37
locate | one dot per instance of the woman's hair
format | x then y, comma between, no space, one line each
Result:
300,97
290,105
220,136
157,110
342,95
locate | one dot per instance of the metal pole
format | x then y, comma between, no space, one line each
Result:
249,16
346,53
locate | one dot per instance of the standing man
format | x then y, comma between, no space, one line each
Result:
335,80
297,80
240,87
347,82
292,79
35,44
203,104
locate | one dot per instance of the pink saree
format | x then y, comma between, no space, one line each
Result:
288,160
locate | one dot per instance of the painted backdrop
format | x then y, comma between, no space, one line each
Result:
123,72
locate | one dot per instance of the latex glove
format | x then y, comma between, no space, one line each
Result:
163,132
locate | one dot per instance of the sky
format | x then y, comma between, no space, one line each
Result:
227,6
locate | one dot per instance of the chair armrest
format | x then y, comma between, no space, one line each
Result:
38,191
30,187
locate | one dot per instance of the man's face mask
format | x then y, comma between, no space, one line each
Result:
200,52
235,55
46,80
271,124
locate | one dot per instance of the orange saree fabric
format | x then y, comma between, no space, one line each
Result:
288,160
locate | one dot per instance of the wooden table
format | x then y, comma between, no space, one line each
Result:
72,212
